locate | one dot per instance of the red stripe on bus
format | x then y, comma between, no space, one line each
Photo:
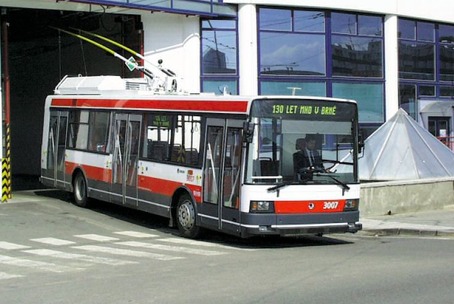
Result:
323,206
236,106
166,187
91,172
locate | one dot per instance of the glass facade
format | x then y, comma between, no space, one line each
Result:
426,63
323,53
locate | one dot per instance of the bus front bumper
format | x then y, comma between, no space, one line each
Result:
296,225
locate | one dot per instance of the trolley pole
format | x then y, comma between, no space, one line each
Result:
6,135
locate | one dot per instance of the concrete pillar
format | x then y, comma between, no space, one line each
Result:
247,46
391,66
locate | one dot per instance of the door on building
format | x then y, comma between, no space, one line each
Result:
439,126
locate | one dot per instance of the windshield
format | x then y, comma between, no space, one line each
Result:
302,141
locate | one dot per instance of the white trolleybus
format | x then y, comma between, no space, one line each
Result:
224,163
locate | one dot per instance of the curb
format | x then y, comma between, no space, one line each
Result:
408,232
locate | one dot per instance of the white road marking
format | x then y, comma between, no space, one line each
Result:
11,246
126,252
80,257
5,276
97,237
35,264
201,243
136,234
53,241
171,248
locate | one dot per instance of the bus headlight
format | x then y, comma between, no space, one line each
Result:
262,206
351,205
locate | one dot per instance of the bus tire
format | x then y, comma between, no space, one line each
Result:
186,217
80,190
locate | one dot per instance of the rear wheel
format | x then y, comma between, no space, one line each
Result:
186,217
80,190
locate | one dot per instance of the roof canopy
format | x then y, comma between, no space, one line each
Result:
401,150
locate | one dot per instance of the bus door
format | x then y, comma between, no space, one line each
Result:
56,148
125,158
222,175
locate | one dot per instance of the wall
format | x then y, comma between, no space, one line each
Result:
176,40
406,196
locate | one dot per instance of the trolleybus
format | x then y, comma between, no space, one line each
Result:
223,163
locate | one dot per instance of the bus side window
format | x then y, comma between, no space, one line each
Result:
192,156
157,150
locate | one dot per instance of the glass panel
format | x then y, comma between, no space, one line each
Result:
425,31
212,164
232,168
219,52
416,60
407,99
447,91
446,33
293,88
99,127
407,29
292,54
370,26
357,56
275,19
219,24
343,23
219,86
281,126
309,21
447,62
369,97
427,90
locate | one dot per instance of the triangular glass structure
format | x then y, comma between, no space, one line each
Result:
401,149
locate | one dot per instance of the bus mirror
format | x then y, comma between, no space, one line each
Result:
360,144
248,131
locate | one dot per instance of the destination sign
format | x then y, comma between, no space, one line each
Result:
160,121
304,109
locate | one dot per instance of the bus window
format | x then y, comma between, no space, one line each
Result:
78,130
232,168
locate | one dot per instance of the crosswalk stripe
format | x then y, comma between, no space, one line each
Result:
97,237
126,252
11,246
53,241
184,241
5,276
80,257
136,234
171,248
7,260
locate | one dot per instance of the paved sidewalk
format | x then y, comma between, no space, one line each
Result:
422,223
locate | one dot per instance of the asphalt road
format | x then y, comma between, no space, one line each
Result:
54,252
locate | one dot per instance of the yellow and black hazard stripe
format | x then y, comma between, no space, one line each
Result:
6,168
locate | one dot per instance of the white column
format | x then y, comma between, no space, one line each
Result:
391,66
247,46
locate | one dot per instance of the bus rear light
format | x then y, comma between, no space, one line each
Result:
262,206
351,205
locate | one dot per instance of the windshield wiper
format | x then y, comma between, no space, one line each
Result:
345,187
279,186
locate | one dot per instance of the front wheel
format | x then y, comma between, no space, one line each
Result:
186,217
80,190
